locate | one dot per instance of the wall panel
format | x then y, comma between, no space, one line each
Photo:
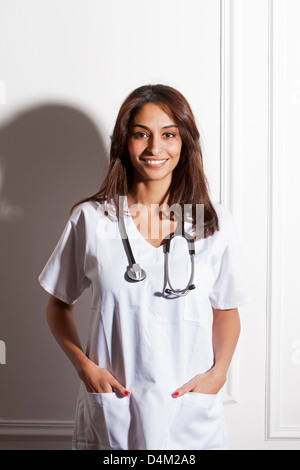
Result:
283,367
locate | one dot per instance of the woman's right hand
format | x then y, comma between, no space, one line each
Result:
99,380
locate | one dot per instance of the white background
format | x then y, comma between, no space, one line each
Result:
65,68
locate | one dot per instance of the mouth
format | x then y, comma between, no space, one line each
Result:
154,163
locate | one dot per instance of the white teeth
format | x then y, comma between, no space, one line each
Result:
155,162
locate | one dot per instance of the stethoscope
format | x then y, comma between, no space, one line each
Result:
135,273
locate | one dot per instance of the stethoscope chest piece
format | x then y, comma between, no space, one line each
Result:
136,273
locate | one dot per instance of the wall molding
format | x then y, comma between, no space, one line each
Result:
231,111
231,90
35,430
275,429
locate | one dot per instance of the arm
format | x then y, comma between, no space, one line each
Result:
60,317
226,331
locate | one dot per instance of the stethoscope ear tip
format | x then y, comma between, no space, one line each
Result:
180,293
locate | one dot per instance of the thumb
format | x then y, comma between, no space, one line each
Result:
184,389
119,388
181,391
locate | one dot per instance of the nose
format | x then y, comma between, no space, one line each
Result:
154,145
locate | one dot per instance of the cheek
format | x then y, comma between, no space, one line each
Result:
135,148
175,149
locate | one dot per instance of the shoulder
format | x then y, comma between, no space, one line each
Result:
90,209
83,209
84,215
222,211
225,218
90,215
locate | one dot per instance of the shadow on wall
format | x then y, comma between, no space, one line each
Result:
51,156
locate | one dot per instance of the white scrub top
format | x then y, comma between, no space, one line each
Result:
150,343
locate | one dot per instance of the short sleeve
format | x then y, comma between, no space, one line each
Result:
230,289
63,275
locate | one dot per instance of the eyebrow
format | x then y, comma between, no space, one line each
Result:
147,128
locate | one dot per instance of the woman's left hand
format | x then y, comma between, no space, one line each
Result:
209,383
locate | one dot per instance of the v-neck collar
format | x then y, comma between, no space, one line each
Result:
132,228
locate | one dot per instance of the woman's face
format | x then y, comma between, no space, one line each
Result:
154,144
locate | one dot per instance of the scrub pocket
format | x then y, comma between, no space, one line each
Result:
199,423
197,306
107,420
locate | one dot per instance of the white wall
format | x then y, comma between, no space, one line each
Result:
65,69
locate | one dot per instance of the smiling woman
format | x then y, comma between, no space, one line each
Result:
156,363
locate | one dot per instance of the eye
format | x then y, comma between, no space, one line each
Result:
169,135
140,135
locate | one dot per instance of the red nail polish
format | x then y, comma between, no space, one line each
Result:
175,394
126,393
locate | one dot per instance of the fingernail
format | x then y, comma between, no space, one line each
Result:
126,393
175,394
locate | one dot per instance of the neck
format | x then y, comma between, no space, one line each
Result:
148,193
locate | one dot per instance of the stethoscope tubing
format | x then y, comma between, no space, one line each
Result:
191,246
136,273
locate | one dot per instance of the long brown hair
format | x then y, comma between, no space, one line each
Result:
189,184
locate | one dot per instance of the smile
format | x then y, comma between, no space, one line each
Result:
154,163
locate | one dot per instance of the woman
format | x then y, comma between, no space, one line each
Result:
156,358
